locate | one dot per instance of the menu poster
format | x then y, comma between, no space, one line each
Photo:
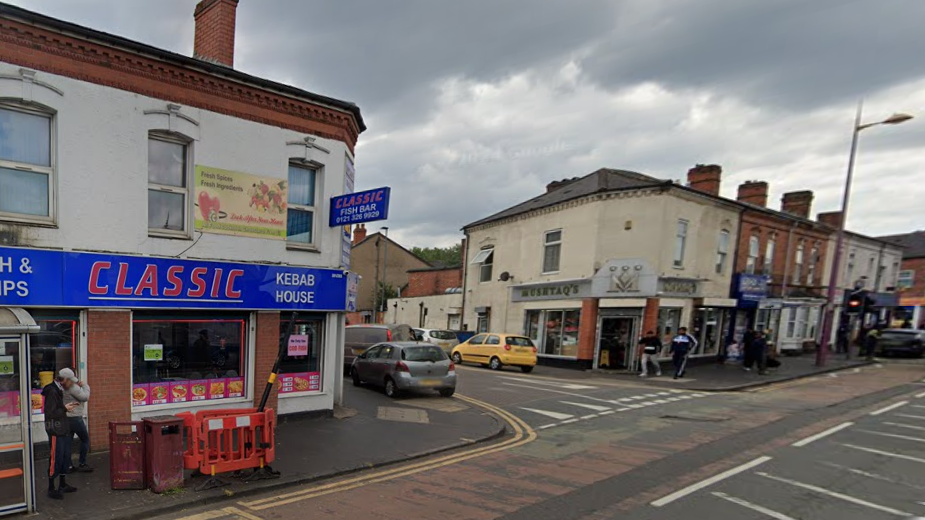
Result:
159,393
235,387
8,404
299,382
314,381
199,389
38,402
298,345
285,383
217,388
179,391
140,395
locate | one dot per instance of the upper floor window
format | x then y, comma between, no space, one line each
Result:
485,259
769,256
26,165
167,185
811,270
722,251
552,251
680,244
798,265
754,248
906,279
850,268
300,219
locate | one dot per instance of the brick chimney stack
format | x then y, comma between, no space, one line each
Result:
215,22
832,219
359,233
798,203
754,192
705,178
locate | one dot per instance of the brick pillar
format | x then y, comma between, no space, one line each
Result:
109,352
650,316
587,329
265,352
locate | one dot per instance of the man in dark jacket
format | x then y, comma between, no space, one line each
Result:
681,347
59,435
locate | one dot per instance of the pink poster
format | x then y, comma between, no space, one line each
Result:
235,387
298,345
179,392
299,382
8,404
38,402
285,383
159,393
314,381
199,390
217,388
141,395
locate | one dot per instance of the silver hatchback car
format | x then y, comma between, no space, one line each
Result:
404,366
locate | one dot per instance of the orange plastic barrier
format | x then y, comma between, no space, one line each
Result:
221,441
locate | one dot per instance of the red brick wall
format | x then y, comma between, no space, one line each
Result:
587,328
429,283
265,353
109,350
215,22
917,265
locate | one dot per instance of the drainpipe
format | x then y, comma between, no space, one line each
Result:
465,277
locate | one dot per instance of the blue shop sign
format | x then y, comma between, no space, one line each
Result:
751,288
31,277
364,206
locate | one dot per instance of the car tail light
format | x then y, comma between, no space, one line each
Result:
534,350
507,347
401,367
388,334
452,366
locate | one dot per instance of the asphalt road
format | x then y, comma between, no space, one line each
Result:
840,447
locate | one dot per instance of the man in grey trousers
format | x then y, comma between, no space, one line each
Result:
78,393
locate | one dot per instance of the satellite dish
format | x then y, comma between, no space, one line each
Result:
505,276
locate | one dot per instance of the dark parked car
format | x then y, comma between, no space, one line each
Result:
902,341
399,367
358,338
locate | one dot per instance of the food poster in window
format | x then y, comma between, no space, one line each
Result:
141,395
235,387
300,382
241,204
217,388
179,391
38,402
159,393
199,390
9,405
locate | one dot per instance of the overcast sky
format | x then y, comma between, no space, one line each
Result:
474,106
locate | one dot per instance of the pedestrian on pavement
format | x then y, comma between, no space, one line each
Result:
651,346
760,347
59,435
748,344
870,343
78,393
681,347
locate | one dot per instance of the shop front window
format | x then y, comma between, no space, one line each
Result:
669,321
709,326
555,332
300,367
52,348
187,359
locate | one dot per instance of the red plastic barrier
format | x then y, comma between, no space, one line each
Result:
220,441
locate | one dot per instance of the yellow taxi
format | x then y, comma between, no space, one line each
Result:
497,350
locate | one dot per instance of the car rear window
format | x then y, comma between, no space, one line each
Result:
365,335
402,333
442,334
518,342
897,335
423,354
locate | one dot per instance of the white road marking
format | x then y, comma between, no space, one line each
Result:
608,412
564,385
570,421
890,408
754,507
555,415
663,393
547,426
894,436
907,426
870,475
586,417
833,494
681,493
919,417
884,453
814,438
573,394
660,401
919,396
595,407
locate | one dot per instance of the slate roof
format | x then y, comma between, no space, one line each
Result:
913,244
603,180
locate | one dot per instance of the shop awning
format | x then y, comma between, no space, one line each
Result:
14,320
482,256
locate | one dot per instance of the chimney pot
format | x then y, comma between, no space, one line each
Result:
215,24
798,203
705,178
832,219
754,192
359,234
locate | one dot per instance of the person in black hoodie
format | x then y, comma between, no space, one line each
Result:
59,436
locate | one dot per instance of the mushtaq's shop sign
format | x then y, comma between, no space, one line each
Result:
552,291
364,206
31,277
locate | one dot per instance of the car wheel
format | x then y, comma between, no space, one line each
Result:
526,370
447,392
495,364
391,389
356,377
457,358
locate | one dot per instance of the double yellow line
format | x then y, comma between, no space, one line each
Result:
523,434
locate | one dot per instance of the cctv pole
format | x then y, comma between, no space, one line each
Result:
385,273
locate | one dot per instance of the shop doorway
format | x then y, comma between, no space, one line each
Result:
615,346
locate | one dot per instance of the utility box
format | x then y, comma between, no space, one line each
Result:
127,455
163,452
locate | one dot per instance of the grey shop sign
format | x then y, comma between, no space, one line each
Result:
678,288
571,290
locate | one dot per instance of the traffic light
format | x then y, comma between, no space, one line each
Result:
856,302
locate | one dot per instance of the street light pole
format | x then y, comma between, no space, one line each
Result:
385,271
834,278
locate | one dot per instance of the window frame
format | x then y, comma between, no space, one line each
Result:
901,281
754,252
798,261
682,228
722,251
51,170
315,209
547,244
769,251
813,260
488,262
167,137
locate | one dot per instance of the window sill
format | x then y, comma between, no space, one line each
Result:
308,248
677,267
189,404
291,395
168,236
28,222
549,273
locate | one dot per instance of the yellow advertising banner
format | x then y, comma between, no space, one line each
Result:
235,203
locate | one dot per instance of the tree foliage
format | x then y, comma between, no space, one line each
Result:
439,255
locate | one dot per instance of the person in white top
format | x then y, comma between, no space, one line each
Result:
78,393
